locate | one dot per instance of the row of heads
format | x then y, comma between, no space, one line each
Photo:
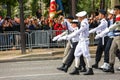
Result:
84,13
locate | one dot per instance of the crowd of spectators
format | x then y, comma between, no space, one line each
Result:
31,23
39,22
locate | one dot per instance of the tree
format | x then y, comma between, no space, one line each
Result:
34,6
102,4
84,5
22,28
114,2
9,4
73,9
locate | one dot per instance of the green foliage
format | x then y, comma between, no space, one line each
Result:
9,3
12,6
3,12
84,5
34,6
87,5
47,2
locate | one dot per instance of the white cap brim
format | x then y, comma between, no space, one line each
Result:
81,14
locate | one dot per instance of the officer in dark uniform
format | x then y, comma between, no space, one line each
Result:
110,20
101,41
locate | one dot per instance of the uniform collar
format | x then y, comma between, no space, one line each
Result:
103,19
75,28
85,19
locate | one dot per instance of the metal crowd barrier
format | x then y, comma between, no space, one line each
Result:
34,39
9,40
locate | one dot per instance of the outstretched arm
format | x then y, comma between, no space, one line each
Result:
58,36
114,26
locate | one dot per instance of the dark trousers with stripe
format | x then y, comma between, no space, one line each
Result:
71,56
107,48
100,49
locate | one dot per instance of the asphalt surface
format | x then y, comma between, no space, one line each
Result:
46,70
41,64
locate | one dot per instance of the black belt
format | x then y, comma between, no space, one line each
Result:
116,31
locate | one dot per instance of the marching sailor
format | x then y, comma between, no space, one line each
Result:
116,40
110,35
82,47
71,56
67,23
101,41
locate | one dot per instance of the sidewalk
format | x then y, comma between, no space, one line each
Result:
36,54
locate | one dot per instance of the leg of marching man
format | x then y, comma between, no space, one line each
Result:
66,53
82,48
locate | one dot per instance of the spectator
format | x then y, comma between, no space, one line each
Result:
58,27
38,14
1,21
7,25
45,25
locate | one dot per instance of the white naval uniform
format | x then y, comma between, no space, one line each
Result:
82,46
76,38
68,24
106,31
83,32
101,27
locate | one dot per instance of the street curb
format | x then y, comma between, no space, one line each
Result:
33,57
29,59
37,57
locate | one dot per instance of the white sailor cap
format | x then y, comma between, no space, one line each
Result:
81,14
74,21
111,11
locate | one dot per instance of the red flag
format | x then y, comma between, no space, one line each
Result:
53,7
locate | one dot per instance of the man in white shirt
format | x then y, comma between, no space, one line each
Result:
82,47
101,41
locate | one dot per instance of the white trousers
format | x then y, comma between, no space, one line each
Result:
82,48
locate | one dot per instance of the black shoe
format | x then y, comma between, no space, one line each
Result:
95,66
80,68
89,72
65,69
111,69
83,70
75,72
62,67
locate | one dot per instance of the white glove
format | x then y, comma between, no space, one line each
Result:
62,38
56,38
97,36
91,31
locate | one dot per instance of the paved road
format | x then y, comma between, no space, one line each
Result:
46,70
